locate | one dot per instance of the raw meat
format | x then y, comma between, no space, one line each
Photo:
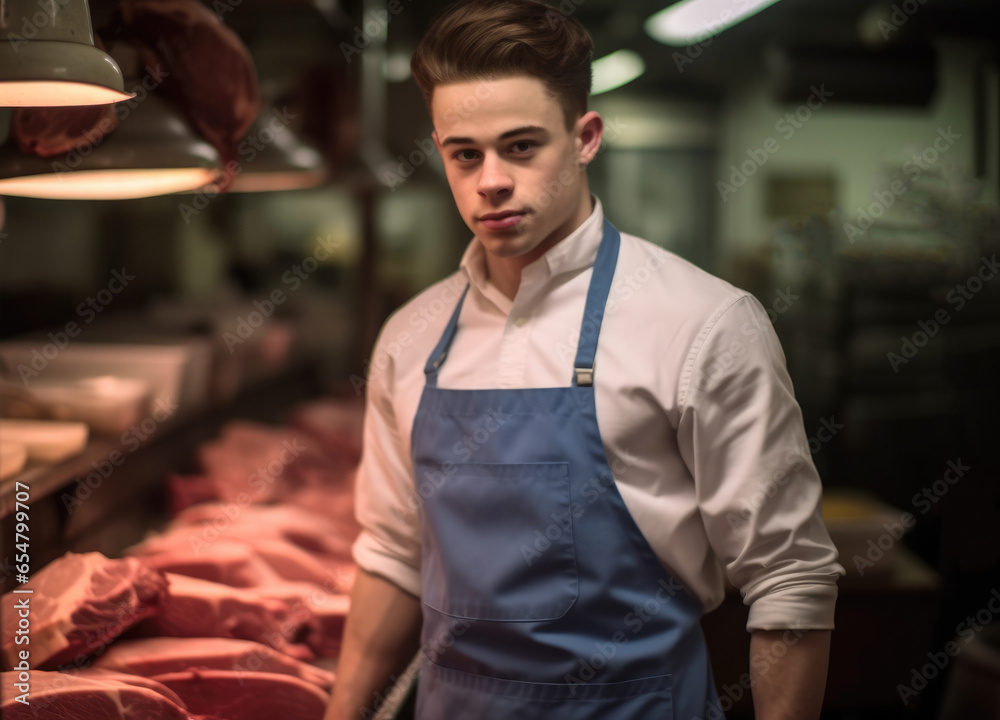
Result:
108,675
308,530
324,630
337,424
158,656
253,464
229,562
50,131
80,603
199,608
247,696
237,558
210,73
68,696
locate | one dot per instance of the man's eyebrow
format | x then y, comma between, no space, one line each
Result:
504,136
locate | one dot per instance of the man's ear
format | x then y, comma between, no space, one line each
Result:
589,131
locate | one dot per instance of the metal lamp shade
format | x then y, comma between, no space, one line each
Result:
271,157
152,152
48,57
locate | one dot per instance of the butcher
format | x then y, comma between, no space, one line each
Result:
574,440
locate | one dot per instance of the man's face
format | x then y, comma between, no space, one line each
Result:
516,172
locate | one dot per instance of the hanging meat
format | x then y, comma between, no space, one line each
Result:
209,72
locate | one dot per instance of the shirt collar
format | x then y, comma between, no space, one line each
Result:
577,251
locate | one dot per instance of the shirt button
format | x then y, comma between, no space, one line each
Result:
521,321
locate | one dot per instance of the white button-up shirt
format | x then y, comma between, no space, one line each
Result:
694,404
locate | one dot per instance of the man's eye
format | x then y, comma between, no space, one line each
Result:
466,155
523,146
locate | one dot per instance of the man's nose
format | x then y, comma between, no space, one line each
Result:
494,180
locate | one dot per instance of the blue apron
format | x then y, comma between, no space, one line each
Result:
541,598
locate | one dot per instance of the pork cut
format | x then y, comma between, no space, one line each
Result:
309,530
163,655
116,676
199,608
247,696
69,696
228,562
80,603
239,557
337,424
324,630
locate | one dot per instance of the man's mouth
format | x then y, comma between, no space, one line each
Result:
501,220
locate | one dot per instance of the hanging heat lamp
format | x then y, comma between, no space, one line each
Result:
48,57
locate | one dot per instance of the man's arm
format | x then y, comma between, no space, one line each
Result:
380,638
788,673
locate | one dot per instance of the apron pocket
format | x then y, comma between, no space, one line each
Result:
446,692
498,543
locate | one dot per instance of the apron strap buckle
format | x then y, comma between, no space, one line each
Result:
584,376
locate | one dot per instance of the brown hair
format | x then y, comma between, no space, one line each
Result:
494,39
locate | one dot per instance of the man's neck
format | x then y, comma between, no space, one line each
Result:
505,273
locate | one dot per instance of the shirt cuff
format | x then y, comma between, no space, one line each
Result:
372,557
804,607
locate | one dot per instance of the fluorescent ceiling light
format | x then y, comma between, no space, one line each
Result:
691,21
617,69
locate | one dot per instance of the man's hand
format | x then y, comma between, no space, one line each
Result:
788,673
381,636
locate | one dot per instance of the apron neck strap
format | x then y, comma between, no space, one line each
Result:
593,315
593,312
437,358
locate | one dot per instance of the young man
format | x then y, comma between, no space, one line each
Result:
569,440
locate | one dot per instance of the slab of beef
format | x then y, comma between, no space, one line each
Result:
199,608
228,562
242,558
68,696
247,696
80,603
116,676
312,531
252,463
162,655
337,424
324,630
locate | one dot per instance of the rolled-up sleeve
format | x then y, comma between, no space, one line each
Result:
741,433
385,502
